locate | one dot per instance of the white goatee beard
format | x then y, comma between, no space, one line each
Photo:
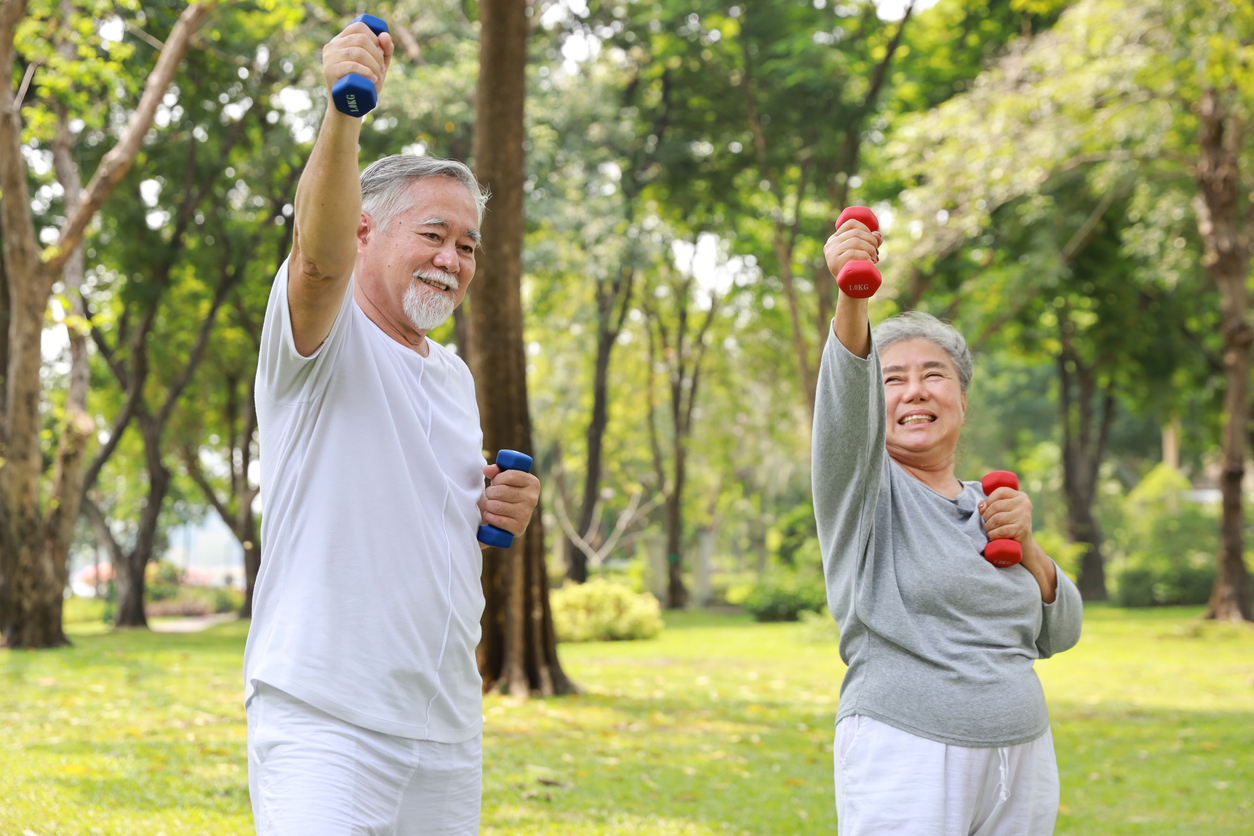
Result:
427,309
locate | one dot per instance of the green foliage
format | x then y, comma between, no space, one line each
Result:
797,537
1064,552
783,596
162,580
1168,544
602,610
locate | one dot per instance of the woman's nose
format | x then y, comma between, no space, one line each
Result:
915,390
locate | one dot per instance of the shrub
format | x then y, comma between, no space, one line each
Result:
177,607
1171,545
601,610
194,601
1157,586
784,596
162,580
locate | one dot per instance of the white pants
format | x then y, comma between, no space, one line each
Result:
311,774
891,782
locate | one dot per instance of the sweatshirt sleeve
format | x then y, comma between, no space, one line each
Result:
848,461
1061,620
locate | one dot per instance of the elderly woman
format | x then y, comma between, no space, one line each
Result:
942,726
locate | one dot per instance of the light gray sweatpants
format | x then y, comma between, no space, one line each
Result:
890,782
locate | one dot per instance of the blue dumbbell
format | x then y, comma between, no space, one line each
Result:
354,95
490,535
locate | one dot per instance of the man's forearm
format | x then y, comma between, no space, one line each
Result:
328,200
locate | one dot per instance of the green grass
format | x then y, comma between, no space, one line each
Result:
719,726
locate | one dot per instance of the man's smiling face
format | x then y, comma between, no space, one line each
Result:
417,268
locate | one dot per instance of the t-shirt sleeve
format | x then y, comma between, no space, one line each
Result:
1061,620
848,464
283,375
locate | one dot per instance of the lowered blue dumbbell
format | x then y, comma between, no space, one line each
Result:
354,95
490,535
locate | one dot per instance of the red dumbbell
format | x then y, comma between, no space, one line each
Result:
1001,553
859,279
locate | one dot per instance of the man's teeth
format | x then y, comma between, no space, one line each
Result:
918,419
436,283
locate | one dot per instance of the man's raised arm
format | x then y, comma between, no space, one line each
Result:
328,198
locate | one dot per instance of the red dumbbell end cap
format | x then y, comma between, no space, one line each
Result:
859,279
999,479
1003,553
862,215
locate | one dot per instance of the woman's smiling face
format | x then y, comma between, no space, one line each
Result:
926,404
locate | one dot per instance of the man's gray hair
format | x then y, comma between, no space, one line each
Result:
916,325
385,184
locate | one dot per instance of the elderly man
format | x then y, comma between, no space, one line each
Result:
362,692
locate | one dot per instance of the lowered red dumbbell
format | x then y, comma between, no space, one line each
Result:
1001,553
859,279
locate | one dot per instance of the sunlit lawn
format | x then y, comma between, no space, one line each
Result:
720,726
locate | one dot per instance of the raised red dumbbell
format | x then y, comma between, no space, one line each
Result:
859,279
1001,553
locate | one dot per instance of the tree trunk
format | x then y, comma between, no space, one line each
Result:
1082,454
31,584
676,592
1227,259
612,305
519,648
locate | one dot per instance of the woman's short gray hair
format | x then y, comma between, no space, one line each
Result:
385,184
916,325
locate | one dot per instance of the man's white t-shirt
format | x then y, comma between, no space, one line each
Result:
368,601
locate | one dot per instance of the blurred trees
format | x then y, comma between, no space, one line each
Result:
33,533
1125,103
1067,181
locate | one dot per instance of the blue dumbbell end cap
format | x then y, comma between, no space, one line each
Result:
354,95
376,24
492,536
513,460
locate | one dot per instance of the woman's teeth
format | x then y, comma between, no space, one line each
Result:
918,419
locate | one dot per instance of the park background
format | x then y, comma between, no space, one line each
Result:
1069,183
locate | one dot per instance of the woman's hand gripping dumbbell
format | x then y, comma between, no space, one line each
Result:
853,250
1003,552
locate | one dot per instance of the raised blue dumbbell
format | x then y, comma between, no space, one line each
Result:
354,95
490,535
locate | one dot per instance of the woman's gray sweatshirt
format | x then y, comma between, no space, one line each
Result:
939,642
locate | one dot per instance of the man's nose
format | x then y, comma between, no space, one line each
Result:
446,258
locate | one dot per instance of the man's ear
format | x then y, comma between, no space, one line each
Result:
365,229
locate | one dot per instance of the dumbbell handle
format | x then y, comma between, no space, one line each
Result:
859,279
354,95
1001,553
490,535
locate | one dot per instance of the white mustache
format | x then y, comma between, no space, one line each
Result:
437,278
